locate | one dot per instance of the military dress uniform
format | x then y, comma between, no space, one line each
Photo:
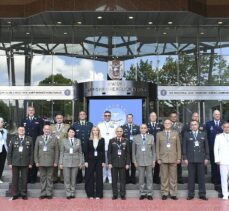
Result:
33,128
196,151
46,154
213,129
129,131
178,126
20,156
168,151
118,156
71,157
143,152
60,132
153,129
83,130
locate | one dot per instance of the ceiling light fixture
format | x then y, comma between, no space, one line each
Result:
150,22
99,17
220,22
170,22
59,22
131,17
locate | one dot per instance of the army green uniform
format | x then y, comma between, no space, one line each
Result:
20,156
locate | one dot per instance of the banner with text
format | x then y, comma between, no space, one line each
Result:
36,93
193,92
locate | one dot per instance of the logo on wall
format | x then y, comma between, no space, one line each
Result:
67,92
115,69
163,92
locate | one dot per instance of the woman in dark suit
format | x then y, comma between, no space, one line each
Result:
94,163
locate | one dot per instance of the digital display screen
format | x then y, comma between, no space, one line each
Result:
119,109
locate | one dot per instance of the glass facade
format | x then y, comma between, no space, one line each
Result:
61,54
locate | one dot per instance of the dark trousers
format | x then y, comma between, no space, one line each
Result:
94,179
118,173
179,172
19,172
2,160
156,172
131,174
215,172
192,169
32,174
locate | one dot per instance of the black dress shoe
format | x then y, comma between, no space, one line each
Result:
42,197
164,197
49,197
180,181
24,197
149,197
123,197
141,197
190,197
72,197
114,197
174,198
68,197
14,198
203,198
220,195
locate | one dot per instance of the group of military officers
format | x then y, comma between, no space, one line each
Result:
155,150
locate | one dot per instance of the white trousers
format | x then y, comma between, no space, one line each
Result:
224,173
106,170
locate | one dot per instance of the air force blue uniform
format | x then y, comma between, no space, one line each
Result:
212,131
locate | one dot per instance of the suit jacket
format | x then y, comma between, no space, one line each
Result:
221,149
154,130
212,131
3,140
112,153
49,157
83,132
60,133
165,154
143,158
33,128
192,153
24,158
71,160
89,151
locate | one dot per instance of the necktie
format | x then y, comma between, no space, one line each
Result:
195,135
2,132
46,139
71,141
130,127
21,141
59,126
217,123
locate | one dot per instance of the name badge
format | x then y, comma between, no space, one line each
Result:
168,145
196,143
95,153
45,149
143,148
20,149
131,138
119,152
71,151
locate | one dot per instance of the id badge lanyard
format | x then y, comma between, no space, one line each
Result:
143,144
20,149
168,143
45,144
119,148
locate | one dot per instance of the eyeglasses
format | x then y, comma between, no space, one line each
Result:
107,115
119,131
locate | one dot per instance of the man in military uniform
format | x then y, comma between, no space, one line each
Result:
33,127
144,159
83,130
196,156
46,156
153,128
168,151
129,131
177,126
20,158
213,128
59,130
118,159
107,130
